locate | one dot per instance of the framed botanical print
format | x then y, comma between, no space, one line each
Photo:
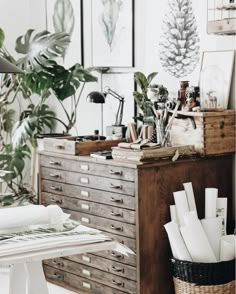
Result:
67,16
112,33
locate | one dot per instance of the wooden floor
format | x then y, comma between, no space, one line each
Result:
4,286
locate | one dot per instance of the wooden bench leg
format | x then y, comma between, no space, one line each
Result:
28,278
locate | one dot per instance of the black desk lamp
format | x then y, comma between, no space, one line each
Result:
99,97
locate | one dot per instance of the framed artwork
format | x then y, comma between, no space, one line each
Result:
215,79
122,84
67,16
113,33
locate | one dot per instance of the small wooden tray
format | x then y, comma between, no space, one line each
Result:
72,147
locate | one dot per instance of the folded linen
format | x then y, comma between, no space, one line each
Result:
30,217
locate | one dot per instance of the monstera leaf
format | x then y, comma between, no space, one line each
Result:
68,81
8,119
63,17
39,49
12,161
32,122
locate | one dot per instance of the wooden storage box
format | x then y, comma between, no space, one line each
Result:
222,26
209,132
72,147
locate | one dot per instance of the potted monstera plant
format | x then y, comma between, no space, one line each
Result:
44,76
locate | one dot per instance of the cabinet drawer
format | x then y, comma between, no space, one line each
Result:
112,255
104,224
78,283
90,181
120,283
105,265
106,170
120,214
85,193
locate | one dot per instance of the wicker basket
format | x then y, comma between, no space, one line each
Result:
203,278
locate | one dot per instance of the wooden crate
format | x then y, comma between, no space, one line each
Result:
72,147
209,132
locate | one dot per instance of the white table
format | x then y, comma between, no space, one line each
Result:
26,274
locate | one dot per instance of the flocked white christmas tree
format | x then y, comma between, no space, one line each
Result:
179,45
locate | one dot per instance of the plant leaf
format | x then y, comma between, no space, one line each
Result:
141,80
8,120
40,48
151,77
63,17
2,37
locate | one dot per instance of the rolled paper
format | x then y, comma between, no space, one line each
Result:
197,243
181,205
228,248
213,230
177,244
173,214
210,202
190,196
190,217
22,218
221,211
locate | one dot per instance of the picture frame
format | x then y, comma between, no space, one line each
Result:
215,79
112,33
67,16
123,84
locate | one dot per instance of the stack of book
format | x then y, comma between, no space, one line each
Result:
148,154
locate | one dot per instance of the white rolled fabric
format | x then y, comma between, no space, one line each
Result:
177,244
213,230
22,218
190,196
181,204
228,248
197,243
210,202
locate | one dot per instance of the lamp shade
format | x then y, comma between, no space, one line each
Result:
96,97
8,67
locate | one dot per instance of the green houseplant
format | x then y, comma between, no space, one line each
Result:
148,95
44,76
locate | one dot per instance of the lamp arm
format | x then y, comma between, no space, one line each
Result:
114,94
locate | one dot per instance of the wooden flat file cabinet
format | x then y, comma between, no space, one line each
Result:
130,203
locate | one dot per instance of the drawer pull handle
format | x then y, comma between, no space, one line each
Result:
56,201
51,162
117,255
116,186
117,269
56,188
59,146
116,228
58,263
119,214
120,200
54,175
121,284
58,276
116,173
86,272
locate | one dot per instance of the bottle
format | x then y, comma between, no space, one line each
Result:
182,93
